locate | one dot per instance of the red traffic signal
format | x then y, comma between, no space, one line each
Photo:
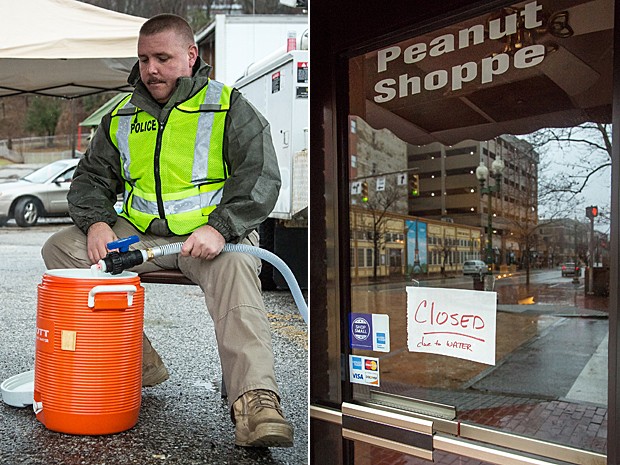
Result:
592,212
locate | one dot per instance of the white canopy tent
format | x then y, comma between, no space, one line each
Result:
65,48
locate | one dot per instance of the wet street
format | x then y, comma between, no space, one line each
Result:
550,374
546,287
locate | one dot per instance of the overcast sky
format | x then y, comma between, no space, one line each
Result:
566,160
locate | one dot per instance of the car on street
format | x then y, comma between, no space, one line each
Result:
570,269
474,267
41,193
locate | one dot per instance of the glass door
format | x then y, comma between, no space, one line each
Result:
479,270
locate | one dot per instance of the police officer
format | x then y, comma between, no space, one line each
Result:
195,163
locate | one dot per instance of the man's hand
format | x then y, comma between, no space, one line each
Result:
99,235
205,242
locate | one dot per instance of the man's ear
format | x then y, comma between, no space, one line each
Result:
192,54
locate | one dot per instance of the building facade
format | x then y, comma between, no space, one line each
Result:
387,246
450,190
383,220
568,240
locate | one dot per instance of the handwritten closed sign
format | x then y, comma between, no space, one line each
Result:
453,322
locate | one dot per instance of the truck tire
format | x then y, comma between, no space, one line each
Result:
266,232
27,212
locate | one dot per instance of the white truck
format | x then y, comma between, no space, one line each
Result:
278,87
231,43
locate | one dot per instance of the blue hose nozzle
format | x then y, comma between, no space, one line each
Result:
123,244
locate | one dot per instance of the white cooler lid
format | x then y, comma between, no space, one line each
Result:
18,390
89,273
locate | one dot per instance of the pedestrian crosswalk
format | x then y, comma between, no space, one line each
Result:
591,384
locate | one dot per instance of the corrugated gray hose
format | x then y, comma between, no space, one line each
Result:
116,263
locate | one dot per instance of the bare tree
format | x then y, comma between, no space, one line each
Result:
521,211
197,12
379,204
446,250
266,7
144,8
567,175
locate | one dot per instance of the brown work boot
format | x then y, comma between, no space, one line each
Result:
259,421
154,371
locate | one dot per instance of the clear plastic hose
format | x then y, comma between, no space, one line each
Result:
175,247
167,249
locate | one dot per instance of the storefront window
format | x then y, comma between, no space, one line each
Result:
478,283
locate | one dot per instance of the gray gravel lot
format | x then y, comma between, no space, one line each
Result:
182,421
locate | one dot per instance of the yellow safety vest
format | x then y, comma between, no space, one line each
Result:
175,168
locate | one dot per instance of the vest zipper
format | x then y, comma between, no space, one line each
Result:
160,201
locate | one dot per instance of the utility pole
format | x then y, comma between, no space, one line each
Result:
591,213
575,275
482,174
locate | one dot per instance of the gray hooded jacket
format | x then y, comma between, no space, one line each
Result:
249,194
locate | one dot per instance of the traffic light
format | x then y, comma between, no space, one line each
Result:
591,212
364,192
415,185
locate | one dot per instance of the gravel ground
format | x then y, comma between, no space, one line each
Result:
182,421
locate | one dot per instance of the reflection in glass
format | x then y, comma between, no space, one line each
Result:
526,85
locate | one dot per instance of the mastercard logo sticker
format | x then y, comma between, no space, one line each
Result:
371,365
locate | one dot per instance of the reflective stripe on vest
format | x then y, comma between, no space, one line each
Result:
182,153
176,206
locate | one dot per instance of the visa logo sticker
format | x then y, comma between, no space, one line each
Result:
364,370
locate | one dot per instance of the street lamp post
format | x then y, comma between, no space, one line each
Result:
482,174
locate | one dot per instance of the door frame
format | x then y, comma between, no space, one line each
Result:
334,42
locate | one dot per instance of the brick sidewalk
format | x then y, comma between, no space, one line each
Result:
575,425
578,425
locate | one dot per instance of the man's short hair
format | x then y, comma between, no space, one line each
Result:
168,22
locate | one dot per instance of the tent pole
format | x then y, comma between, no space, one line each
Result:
73,126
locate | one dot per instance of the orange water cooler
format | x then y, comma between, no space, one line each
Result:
88,362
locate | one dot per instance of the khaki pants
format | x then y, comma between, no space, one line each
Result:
232,293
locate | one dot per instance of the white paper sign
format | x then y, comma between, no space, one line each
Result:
453,322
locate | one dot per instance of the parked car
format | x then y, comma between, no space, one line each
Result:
570,269
474,267
42,193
